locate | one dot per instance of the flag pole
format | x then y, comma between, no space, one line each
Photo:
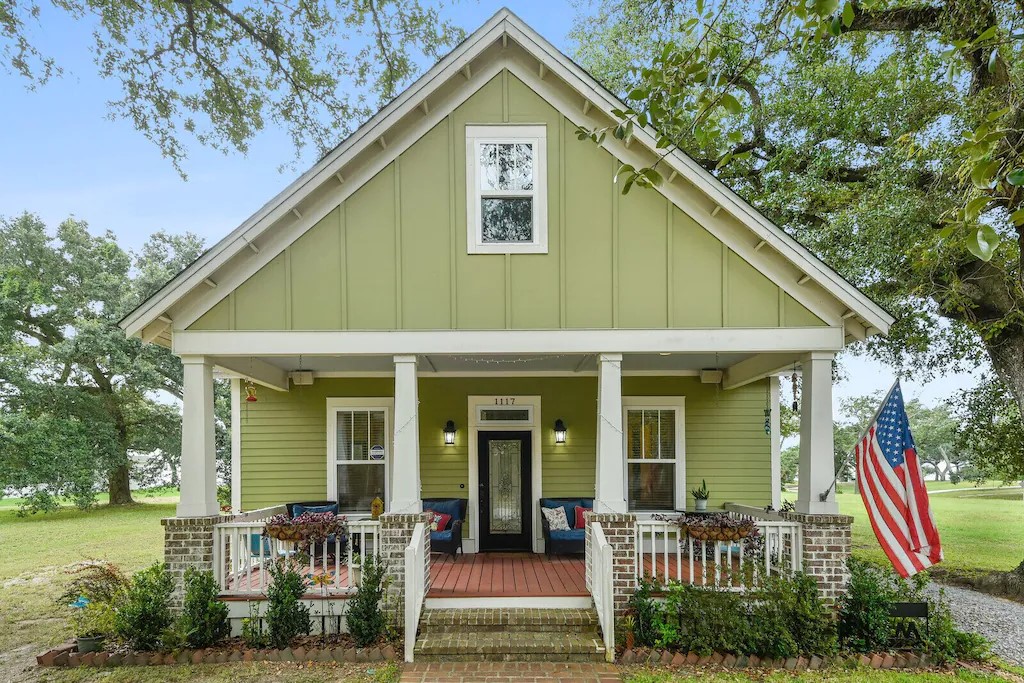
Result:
824,495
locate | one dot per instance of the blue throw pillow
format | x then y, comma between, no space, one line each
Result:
299,509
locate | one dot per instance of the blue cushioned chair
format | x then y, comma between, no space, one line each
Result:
571,542
449,539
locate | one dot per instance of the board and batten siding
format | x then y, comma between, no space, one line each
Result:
393,255
284,435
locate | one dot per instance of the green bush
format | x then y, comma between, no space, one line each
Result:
644,611
788,618
865,625
143,609
252,628
702,621
204,619
365,616
286,616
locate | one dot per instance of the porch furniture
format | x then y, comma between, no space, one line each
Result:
449,539
571,542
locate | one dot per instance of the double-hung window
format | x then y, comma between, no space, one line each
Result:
358,452
506,181
654,459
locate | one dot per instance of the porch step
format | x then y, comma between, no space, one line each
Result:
583,621
505,634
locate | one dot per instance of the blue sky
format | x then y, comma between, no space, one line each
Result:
63,156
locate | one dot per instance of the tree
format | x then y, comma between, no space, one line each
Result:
76,396
790,458
989,430
885,135
218,73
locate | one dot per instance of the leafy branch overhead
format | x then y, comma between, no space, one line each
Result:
219,73
886,135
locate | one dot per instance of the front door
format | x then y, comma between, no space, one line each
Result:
505,510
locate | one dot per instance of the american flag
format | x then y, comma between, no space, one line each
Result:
892,487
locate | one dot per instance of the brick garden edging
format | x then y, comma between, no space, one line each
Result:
65,655
878,660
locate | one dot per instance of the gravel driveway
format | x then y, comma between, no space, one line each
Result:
999,620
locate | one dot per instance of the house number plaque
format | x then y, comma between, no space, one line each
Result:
505,401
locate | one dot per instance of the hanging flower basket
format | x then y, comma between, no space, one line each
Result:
314,527
718,527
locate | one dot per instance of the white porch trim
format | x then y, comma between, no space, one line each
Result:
817,447
236,445
405,489
472,542
335,343
198,449
610,487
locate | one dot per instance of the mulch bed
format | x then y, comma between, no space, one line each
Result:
310,649
879,660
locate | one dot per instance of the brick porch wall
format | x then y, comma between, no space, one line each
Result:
620,532
827,542
188,542
395,535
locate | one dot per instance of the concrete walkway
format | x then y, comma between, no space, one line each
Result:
510,672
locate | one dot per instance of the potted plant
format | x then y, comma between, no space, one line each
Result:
701,496
93,621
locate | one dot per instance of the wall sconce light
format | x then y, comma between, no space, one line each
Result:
449,433
559,431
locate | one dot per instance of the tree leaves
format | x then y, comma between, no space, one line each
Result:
983,242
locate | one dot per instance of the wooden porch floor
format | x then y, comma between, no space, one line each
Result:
486,575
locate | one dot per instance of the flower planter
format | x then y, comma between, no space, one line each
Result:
89,643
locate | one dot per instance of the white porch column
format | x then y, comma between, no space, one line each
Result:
198,452
405,461
817,456
610,488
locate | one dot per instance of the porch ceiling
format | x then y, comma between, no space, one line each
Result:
525,364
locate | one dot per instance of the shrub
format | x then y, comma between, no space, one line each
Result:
252,628
143,610
95,619
286,616
95,581
365,616
788,618
702,621
204,619
644,611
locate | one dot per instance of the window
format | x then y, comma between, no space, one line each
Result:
654,462
505,416
506,179
359,450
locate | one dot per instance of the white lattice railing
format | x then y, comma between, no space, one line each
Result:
602,587
241,554
415,585
665,553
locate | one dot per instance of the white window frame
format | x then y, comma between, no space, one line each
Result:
508,423
336,405
674,403
507,134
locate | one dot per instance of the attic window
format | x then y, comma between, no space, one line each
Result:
506,182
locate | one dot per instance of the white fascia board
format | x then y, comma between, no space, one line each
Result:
282,204
757,367
721,194
331,343
259,371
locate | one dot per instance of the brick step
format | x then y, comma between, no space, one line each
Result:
509,647
461,621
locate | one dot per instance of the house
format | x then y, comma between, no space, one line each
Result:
458,302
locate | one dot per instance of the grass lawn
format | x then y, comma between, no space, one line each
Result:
832,676
980,530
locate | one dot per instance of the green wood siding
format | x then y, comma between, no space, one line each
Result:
284,435
393,254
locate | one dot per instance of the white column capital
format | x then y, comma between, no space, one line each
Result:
609,357
405,358
818,356
189,359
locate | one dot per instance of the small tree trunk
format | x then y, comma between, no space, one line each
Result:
1007,354
120,487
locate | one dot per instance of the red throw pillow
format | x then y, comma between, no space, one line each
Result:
580,522
438,520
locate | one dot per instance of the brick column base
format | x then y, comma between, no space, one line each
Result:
826,546
395,535
620,532
188,542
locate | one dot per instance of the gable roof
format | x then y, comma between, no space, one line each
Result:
436,93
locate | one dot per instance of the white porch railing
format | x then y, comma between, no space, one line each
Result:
240,554
415,586
665,553
602,587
